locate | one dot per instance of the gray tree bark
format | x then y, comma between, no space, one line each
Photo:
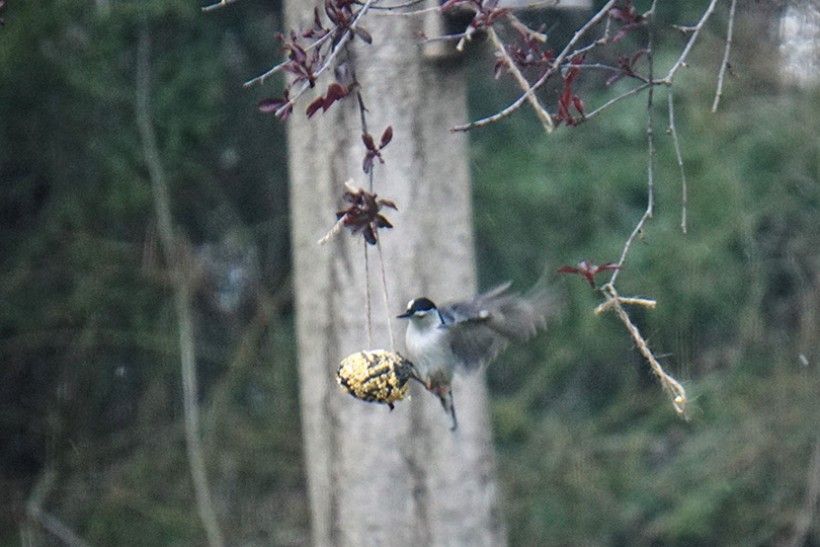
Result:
799,38
377,477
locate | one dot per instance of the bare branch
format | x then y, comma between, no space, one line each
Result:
445,38
330,58
217,5
594,20
647,303
692,39
390,11
679,157
182,292
543,115
803,525
333,232
614,100
261,78
518,25
725,63
407,4
650,142
610,68
669,384
59,530
539,4
53,525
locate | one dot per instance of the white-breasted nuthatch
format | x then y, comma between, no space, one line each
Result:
468,334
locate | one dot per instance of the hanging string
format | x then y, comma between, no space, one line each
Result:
385,296
367,298
363,117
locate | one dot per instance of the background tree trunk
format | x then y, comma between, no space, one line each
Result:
799,36
378,477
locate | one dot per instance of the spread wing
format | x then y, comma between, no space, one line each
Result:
479,329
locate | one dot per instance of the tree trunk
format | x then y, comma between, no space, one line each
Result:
377,477
799,37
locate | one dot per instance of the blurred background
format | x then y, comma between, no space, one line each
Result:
589,448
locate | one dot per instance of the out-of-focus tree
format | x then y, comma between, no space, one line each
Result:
90,386
379,477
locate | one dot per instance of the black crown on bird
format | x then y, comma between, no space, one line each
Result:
418,305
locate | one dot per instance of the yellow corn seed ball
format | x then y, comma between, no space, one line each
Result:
378,376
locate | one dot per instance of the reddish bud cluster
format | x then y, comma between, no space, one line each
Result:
486,13
627,66
629,17
588,270
301,64
362,215
335,92
318,30
341,15
374,151
568,99
307,60
281,107
528,52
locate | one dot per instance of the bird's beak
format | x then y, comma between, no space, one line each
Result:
405,315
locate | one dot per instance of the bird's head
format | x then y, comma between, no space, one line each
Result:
419,308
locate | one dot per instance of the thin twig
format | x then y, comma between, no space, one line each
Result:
539,4
330,58
521,27
647,303
673,131
408,4
650,141
610,68
669,384
262,77
363,121
59,530
391,10
217,5
543,115
182,292
53,525
337,227
614,100
445,38
333,232
594,20
692,39
725,63
803,525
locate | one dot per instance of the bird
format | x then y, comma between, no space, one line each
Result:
466,335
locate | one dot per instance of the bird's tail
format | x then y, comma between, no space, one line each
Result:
520,316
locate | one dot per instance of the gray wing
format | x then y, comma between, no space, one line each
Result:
479,329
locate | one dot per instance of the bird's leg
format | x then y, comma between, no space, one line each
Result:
453,411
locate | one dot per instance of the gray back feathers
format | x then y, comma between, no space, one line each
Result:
479,329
